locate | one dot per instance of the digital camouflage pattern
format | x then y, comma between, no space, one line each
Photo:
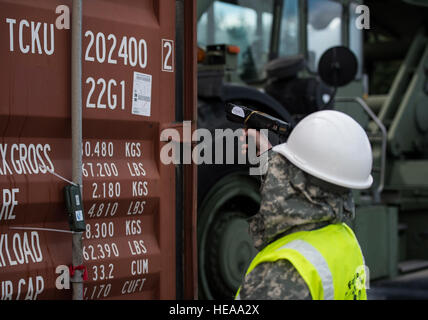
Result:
291,201
275,281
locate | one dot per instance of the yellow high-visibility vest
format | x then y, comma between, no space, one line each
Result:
328,259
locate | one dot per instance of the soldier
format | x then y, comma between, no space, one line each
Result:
306,249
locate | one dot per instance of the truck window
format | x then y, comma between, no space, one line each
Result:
245,23
324,29
289,38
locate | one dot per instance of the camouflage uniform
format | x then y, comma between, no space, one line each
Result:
292,201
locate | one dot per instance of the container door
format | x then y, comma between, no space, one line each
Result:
129,195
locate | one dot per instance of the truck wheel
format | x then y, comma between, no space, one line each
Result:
224,246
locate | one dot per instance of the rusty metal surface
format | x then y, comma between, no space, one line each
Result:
129,195
190,171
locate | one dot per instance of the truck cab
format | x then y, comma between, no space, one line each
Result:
266,30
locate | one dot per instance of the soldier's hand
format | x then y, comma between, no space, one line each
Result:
262,142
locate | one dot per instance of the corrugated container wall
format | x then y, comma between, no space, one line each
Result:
129,196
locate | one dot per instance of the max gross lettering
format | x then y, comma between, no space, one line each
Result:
216,309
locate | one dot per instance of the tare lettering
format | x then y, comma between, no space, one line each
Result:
9,202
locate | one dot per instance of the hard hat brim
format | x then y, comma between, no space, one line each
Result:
285,151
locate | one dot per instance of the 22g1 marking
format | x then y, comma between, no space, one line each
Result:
103,86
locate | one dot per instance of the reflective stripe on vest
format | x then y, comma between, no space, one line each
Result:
317,260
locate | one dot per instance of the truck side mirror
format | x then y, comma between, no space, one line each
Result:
338,66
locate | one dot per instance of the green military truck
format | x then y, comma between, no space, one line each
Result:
265,54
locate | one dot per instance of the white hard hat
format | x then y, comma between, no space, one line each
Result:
331,146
